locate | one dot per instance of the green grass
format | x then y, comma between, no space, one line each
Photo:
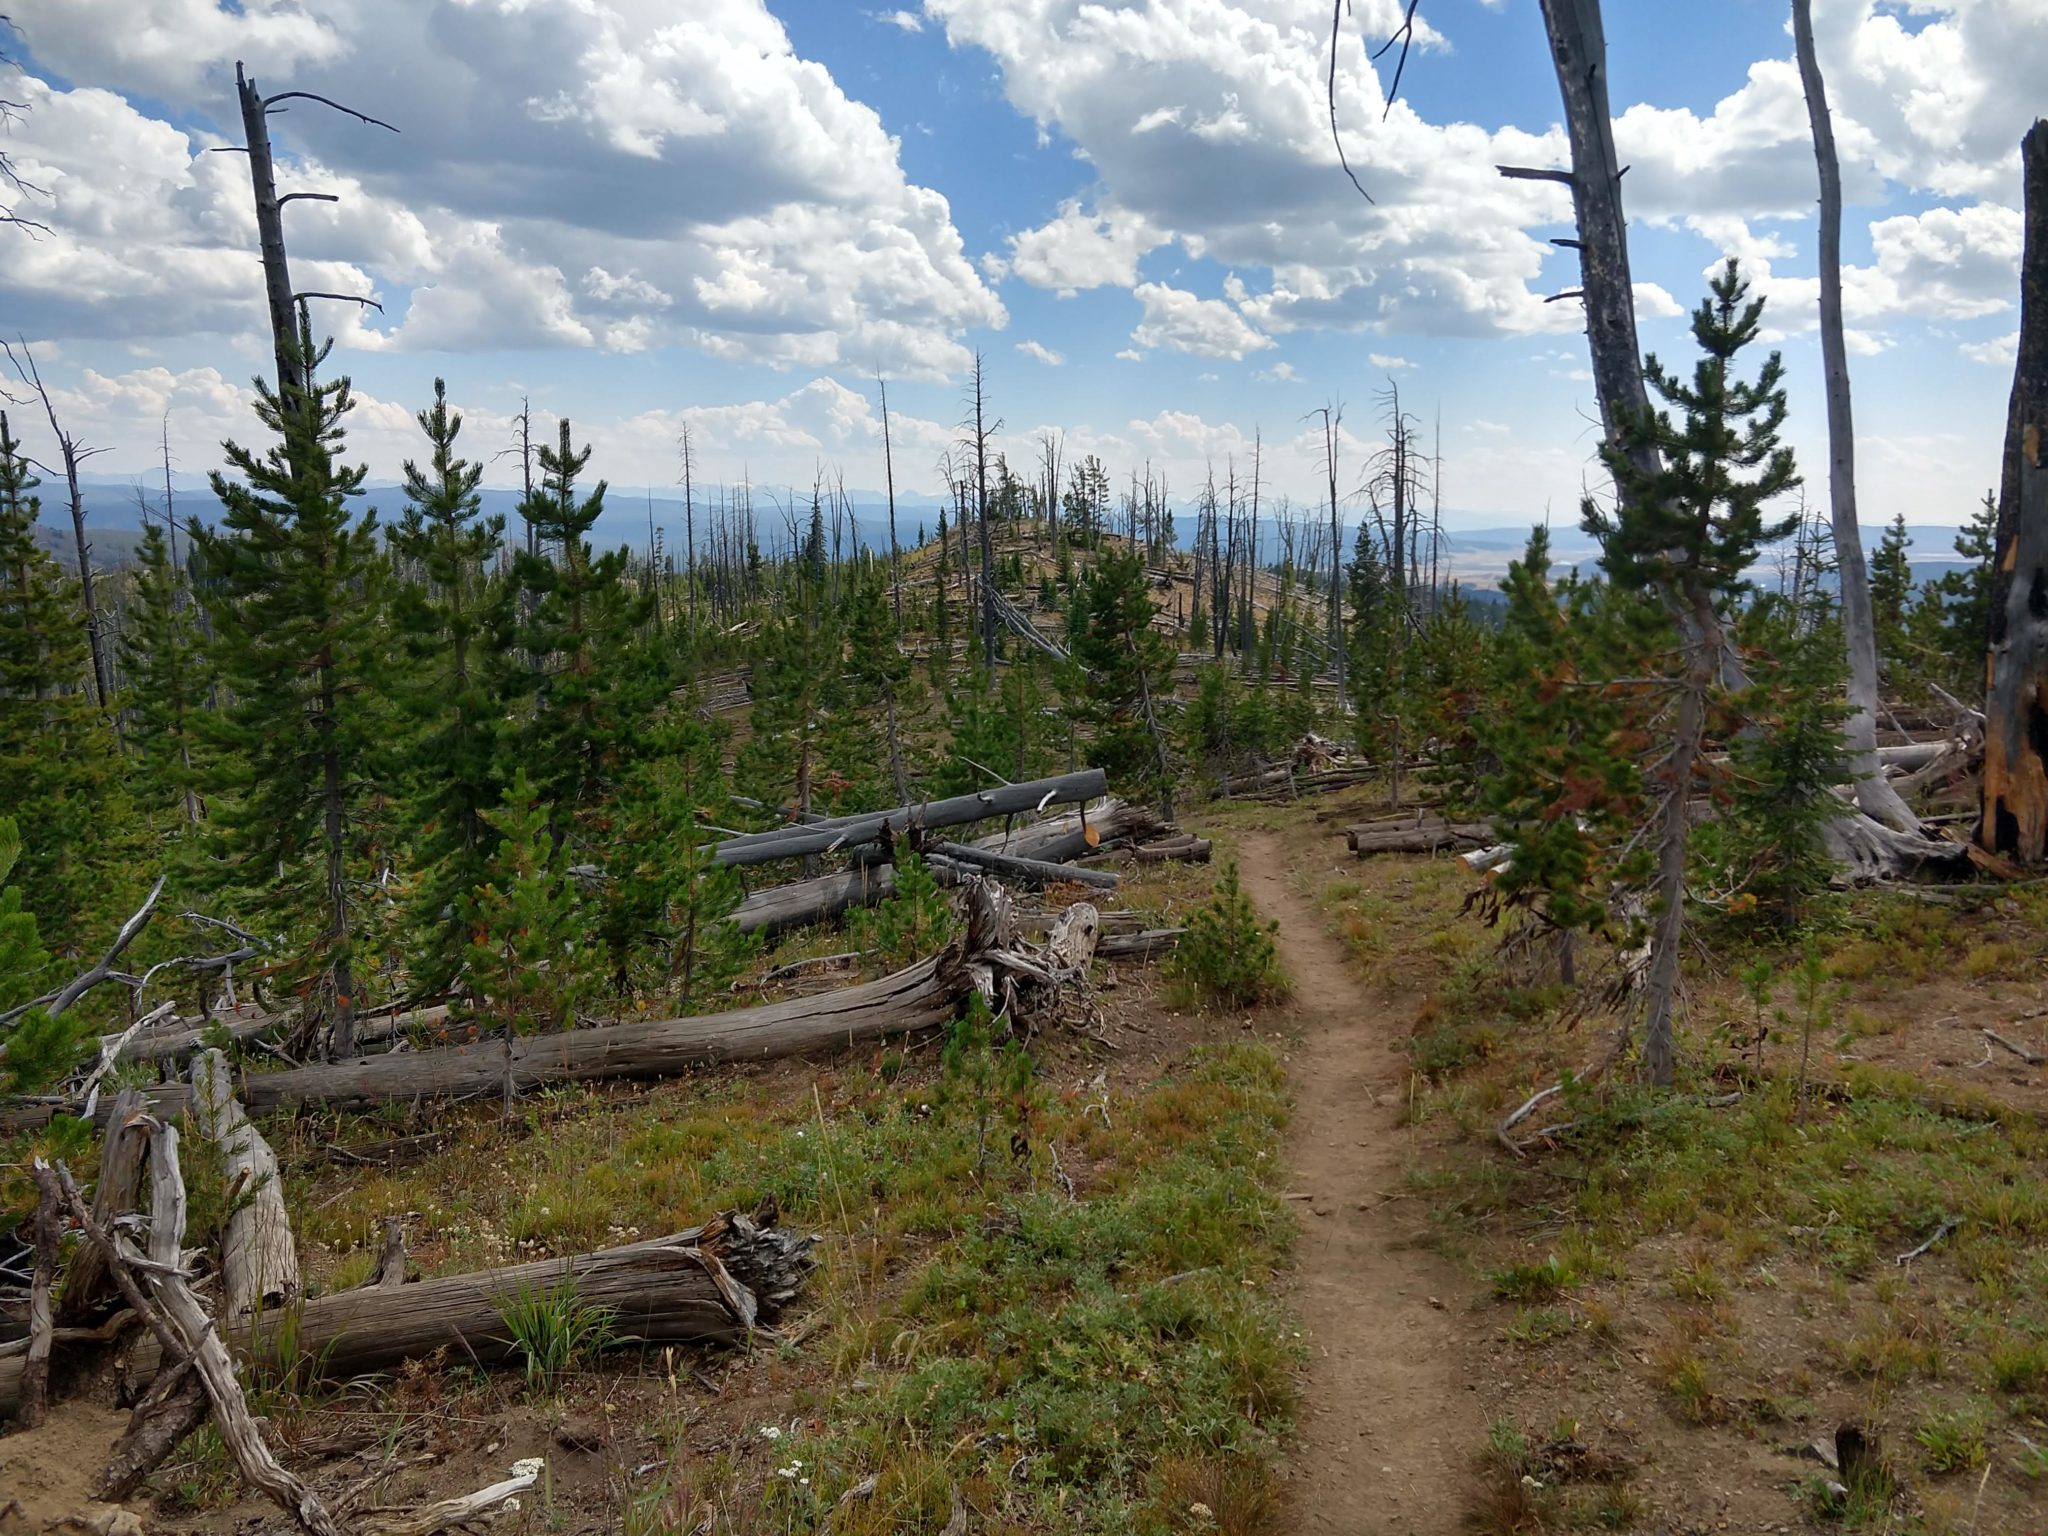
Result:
1093,1362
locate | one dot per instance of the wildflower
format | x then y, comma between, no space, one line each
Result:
528,1466
771,1431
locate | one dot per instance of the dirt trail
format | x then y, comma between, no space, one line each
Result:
1388,1426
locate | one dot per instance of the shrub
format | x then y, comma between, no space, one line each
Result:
1226,958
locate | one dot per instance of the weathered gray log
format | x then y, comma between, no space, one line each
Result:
1071,946
1026,871
710,1284
259,1266
1186,850
845,832
87,1287
1423,832
919,997
1149,944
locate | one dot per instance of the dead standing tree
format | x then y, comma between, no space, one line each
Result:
1874,793
283,300
71,453
2015,808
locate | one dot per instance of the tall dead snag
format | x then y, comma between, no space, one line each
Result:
71,453
1874,793
283,301
2015,807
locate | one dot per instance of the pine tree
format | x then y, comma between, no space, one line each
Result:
1689,530
668,896
799,692
1891,588
1556,767
1122,668
1952,615
166,686
598,684
295,594
531,963
454,622
39,1049
56,757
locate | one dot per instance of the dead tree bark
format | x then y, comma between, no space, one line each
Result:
2015,802
259,1267
87,1286
42,1323
279,296
709,1285
889,474
919,997
1874,794
981,427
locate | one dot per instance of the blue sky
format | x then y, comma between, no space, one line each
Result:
733,222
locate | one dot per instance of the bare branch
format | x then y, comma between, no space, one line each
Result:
339,298
307,197
1336,31
270,104
1406,38
1537,173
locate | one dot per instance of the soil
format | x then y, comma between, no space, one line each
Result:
1388,1429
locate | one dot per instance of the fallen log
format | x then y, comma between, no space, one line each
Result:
1422,832
259,1266
843,832
1187,850
712,1284
1025,871
919,997
1147,945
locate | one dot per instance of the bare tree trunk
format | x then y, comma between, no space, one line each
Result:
1874,794
689,530
72,454
1332,419
2015,805
342,1027
895,556
277,277
988,582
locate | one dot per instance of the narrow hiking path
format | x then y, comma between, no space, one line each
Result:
1388,1425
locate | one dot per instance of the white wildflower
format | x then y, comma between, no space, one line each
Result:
528,1466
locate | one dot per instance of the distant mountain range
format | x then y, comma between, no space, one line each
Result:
1477,557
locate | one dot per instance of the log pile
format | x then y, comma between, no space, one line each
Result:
837,834
1053,841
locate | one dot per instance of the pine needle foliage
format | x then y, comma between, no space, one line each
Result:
454,622
166,688
915,921
57,758
296,593
531,963
1227,959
